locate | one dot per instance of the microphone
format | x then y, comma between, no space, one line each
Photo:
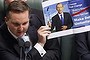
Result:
27,43
21,45
27,46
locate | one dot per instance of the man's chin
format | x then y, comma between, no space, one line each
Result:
20,35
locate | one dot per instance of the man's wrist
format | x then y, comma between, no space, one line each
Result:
40,49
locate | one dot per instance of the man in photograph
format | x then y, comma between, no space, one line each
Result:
62,20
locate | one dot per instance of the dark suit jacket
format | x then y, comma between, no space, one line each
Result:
57,23
35,21
83,45
9,49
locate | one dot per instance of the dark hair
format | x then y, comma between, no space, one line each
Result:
58,4
17,7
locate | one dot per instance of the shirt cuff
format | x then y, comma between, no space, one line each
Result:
40,49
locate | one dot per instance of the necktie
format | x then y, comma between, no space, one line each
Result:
62,19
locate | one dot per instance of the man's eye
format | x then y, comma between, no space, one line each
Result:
25,23
16,24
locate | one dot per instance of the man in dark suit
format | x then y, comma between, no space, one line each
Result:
62,20
16,32
83,45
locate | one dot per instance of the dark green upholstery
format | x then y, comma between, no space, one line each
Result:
1,10
1,5
35,4
68,47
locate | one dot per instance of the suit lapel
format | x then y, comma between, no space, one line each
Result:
59,22
65,18
16,47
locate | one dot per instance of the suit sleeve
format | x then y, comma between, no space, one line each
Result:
52,27
52,51
82,46
6,54
70,22
51,47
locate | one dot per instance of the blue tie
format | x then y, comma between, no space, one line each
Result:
62,19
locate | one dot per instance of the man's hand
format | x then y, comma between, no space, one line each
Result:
64,27
43,31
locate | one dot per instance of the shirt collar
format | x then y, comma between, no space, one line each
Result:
24,37
61,14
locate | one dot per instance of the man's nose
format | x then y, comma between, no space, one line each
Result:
20,27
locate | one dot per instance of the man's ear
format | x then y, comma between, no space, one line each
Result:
6,19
